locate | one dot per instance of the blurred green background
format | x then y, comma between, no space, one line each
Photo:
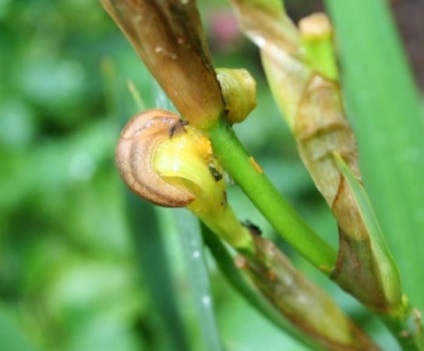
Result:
69,274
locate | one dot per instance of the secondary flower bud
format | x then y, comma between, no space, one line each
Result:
239,92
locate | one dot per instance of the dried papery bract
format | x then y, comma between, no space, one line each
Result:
364,267
279,43
321,129
311,104
168,36
300,301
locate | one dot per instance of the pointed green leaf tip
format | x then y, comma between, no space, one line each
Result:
384,272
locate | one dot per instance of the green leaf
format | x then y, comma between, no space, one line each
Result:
154,267
374,251
12,335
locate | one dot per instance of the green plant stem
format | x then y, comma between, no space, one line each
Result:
265,196
406,329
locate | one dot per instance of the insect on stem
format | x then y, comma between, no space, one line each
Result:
179,125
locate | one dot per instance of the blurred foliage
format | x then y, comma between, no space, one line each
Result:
66,273
68,278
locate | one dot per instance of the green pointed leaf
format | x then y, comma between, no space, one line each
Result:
12,335
153,265
381,276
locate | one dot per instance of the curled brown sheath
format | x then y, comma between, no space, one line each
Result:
135,154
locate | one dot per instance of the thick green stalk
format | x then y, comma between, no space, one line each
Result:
406,328
243,169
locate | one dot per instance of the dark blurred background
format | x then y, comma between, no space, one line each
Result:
67,275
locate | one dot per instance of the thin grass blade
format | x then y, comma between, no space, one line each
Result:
153,265
198,278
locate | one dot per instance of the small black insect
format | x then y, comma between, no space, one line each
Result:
176,126
253,228
215,174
